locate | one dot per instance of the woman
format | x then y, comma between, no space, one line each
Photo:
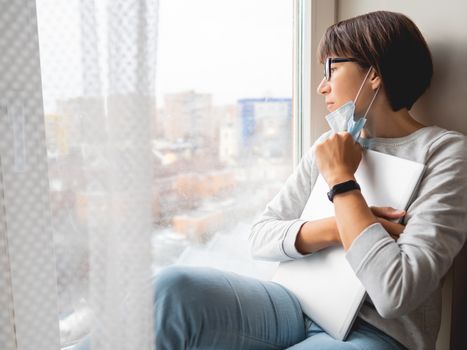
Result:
381,58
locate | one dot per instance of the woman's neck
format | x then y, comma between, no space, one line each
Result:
385,123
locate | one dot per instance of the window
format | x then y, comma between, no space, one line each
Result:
223,133
216,92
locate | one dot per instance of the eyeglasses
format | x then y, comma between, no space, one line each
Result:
329,61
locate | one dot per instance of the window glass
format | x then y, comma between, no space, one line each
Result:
223,132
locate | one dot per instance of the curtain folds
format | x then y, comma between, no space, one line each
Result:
98,75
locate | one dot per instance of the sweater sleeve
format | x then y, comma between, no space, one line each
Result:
400,275
273,235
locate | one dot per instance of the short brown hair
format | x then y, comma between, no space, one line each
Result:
392,44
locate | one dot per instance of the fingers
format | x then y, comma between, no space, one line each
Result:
346,137
395,230
387,212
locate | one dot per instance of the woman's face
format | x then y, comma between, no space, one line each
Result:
346,79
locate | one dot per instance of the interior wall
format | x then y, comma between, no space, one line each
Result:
444,26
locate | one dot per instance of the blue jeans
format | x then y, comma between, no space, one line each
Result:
204,308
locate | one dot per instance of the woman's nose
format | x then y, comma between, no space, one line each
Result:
323,87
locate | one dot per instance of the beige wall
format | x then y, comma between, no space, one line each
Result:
444,26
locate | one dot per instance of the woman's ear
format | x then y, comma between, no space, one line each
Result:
375,80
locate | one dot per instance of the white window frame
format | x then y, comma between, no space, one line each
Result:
311,18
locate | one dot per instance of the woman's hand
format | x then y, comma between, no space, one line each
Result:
338,158
384,215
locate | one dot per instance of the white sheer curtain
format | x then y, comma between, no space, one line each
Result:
98,74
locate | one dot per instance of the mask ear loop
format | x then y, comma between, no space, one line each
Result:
361,86
371,103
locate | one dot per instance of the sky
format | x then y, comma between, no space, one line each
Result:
229,48
232,49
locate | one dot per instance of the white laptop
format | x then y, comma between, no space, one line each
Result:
324,283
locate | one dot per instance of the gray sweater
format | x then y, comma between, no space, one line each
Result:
402,278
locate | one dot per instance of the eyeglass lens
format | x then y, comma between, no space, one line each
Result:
329,61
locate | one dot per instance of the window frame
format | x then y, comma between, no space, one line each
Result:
311,18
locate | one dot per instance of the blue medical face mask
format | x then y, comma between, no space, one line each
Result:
342,119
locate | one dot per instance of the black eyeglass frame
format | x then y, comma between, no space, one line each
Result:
330,60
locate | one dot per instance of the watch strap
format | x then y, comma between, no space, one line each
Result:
343,187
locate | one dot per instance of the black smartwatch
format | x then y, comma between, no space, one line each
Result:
343,187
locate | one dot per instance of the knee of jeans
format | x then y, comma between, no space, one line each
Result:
171,286
175,290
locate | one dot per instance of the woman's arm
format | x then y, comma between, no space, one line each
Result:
316,235
338,158
274,233
279,234
352,216
319,234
